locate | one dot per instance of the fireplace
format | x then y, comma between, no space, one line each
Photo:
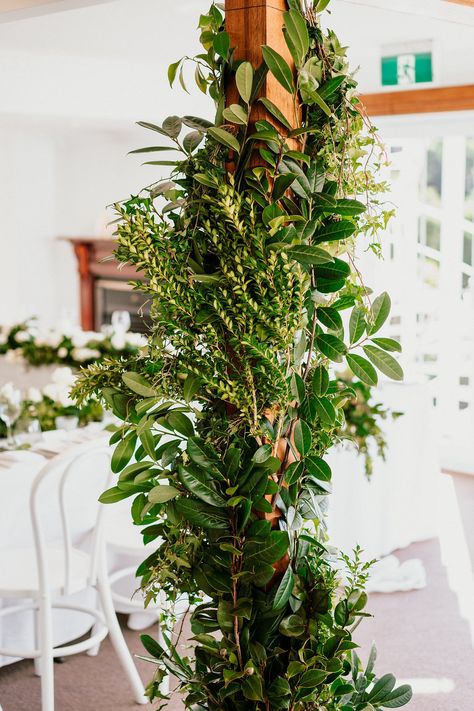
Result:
104,287
113,295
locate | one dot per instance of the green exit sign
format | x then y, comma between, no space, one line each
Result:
407,68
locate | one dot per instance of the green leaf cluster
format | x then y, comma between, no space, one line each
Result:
226,419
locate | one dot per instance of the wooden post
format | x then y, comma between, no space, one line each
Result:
250,24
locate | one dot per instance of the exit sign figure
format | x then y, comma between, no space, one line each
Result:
407,68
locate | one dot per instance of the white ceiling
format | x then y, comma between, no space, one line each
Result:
12,10
147,28
109,59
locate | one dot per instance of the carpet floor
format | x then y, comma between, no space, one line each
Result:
424,637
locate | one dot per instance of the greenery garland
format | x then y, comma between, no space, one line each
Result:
228,416
74,349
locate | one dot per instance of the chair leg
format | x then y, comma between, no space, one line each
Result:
37,661
46,656
94,651
116,636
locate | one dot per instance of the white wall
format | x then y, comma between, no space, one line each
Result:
72,86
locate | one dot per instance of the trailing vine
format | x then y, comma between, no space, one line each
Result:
249,264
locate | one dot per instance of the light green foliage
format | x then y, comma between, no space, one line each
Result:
228,415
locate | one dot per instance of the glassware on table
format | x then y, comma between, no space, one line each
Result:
66,422
28,431
9,413
121,321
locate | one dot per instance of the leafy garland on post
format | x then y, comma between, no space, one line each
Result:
228,416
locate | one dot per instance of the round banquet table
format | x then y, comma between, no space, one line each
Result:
397,506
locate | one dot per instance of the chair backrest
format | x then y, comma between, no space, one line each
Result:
80,461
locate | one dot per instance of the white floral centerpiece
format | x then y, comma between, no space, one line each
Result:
46,405
66,345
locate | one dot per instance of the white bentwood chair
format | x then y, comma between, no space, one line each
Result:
46,571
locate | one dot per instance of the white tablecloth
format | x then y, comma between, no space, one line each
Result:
22,375
397,506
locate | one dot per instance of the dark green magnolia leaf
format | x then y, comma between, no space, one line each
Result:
294,472
262,454
278,688
172,126
152,127
123,452
382,688
284,590
199,484
224,137
153,149
148,442
350,208
329,87
138,384
298,156
236,114
281,185
325,410
356,324
384,362
191,386
111,496
319,101
330,318
313,678
334,231
275,111
344,302
129,473
320,380
244,80
162,493
192,140
267,550
279,68
362,369
318,468
221,44
196,123
331,277
292,626
387,344
302,437
296,35
205,180
180,423
152,647
160,162
199,453
398,697
252,687
379,312
297,387
331,346
308,254
202,515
